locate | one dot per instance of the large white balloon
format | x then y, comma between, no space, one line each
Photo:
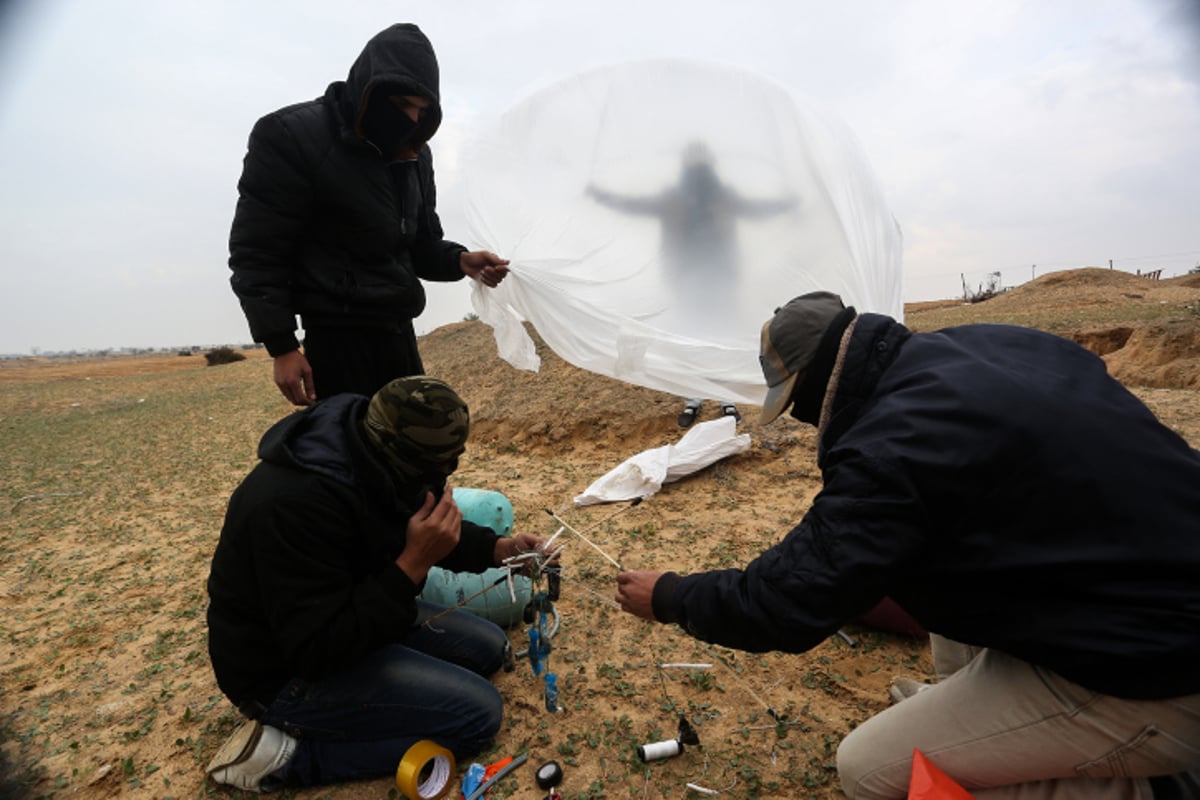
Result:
656,213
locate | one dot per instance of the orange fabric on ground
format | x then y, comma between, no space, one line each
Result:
930,783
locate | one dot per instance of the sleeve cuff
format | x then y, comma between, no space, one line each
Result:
279,343
662,600
457,250
475,552
398,584
485,547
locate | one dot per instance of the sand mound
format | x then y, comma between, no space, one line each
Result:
555,408
1147,331
1091,286
1163,356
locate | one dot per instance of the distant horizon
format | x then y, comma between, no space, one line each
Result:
247,344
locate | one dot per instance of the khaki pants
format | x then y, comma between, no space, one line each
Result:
1003,728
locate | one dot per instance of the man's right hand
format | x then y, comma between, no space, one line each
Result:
294,378
635,592
433,531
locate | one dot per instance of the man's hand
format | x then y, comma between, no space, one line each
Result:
509,546
485,267
635,592
294,378
433,531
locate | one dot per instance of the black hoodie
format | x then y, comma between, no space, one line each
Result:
325,226
304,581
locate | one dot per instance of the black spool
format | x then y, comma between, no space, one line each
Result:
548,775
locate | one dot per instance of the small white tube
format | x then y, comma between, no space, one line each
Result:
685,666
550,541
657,750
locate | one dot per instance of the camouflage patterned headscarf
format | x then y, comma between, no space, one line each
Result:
418,425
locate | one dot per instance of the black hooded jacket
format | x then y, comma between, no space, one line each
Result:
304,581
1001,487
325,226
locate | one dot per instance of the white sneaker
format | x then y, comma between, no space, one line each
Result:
903,688
252,753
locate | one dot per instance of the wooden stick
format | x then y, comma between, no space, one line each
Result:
466,600
586,540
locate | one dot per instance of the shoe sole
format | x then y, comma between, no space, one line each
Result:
899,692
237,748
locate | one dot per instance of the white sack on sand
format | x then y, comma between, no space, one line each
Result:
644,474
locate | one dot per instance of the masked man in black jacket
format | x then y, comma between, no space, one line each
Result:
315,630
1022,506
337,222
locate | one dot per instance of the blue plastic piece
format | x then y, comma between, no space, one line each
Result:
551,692
492,510
535,651
473,778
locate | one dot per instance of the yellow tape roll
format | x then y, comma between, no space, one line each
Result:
425,771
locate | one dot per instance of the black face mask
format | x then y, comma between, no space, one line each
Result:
385,124
809,394
432,480
430,484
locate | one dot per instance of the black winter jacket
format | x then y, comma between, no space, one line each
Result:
304,581
1007,492
325,227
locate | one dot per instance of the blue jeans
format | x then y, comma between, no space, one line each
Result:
359,723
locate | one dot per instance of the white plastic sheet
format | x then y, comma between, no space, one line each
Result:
645,473
656,213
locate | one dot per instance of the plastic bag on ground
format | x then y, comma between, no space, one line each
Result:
645,473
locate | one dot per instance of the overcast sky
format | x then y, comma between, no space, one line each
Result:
1004,135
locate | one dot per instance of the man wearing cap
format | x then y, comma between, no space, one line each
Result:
337,222
315,630
1023,507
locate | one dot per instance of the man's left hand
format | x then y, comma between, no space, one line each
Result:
509,546
485,267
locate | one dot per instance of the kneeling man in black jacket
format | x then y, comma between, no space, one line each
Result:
1023,507
315,630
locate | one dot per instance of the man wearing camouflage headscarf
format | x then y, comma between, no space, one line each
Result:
315,630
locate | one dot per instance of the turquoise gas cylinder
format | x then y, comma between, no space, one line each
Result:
492,510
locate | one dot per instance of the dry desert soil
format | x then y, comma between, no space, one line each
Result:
116,471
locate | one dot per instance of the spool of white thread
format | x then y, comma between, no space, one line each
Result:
656,750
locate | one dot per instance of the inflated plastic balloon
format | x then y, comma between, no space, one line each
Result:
656,213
